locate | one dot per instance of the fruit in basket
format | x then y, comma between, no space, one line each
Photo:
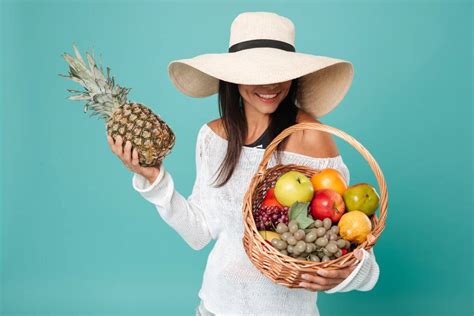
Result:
134,122
270,199
299,213
355,226
269,235
327,203
293,186
267,217
329,178
362,197
304,244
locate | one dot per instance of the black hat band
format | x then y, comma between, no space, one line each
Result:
261,43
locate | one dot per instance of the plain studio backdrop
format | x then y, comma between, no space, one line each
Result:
77,239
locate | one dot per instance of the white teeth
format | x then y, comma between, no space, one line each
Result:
267,96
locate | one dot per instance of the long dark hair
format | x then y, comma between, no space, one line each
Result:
235,123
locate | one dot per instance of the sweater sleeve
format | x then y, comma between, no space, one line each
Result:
363,277
185,216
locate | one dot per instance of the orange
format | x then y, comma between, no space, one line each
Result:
355,226
329,179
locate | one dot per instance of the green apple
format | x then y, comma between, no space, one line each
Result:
361,197
293,186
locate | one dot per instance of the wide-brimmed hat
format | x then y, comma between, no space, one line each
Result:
262,51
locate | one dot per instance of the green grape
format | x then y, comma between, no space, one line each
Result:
341,243
310,237
281,228
332,248
318,223
314,258
325,258
310,247
326,252
281,245
333,237
300,246
275,242
292,222
338,253
299,234
327,223
290,249
322,241
348,244
291,240
285,236
293,227
335,229
320,231
284,252
301,258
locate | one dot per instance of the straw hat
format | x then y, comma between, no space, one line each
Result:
262,51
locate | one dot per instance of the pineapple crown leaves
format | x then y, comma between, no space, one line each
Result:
103,96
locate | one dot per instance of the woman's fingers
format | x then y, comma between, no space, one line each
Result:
127,153
118,146
337,274
321,280
135,157
316,287
325,279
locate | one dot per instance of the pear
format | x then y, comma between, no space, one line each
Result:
361,197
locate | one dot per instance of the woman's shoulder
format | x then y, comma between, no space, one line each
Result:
311,143
217,127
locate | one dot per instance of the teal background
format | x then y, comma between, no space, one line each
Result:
77,239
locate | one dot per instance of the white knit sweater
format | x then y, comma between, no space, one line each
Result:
231,284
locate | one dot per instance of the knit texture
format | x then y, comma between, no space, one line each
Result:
231,284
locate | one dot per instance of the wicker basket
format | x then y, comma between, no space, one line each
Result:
280,268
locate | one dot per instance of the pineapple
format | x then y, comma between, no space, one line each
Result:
148,133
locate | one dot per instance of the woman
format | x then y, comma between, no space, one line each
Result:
264,87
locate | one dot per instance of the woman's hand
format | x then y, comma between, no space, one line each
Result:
130,159
327,279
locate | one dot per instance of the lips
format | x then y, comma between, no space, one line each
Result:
267,97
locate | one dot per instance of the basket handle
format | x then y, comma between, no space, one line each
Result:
354,143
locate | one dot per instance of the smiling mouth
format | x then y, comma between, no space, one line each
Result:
267,96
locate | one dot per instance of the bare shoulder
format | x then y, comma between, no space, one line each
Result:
311,143
217,127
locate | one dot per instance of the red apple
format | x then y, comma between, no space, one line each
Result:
327,203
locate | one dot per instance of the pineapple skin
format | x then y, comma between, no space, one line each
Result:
149,134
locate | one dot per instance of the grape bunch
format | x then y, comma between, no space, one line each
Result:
320,242
269,216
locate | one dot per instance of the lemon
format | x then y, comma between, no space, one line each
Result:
355,226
